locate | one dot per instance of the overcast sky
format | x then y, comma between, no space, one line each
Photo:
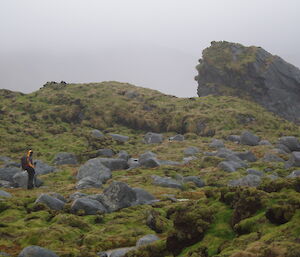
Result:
149,43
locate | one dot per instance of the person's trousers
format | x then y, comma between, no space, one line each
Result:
31,174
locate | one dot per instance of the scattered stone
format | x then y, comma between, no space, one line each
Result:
36,251
124,155
97,133
114,164
88,182
229,166
105,152
269,157
21,179
294,174
168,163
166,182
177,137
216,143
77,195
247,156
95,169
192,150
294,160
224,153
121,252
255,172
153,138
284,149
264,142
88,206
52,202
119,138
57,196
118,195
133,163
143,197
234,138
65,158
4,194
5,184
196,180
248,138
189,159
147,239
249,180
148,160
42,168
8,173
292,143
236,159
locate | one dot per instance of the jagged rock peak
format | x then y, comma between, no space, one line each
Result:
250,73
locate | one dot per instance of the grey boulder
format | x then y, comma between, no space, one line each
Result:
6,184
149,160
196,180
88,206
119,138
36,251
147,239
97,133
255,172
123,155
177,137
264,142
269,157
20,179
192,150
52,202
166,182
249,180
94,168
247,156
292,143
229,166
114,163
121,252
216,144
118,195
88,182
189,159
105,152
133,163
77,195
4,194
65,158
143,197
234,138
153,138
248,138
42,168
294,174
8,173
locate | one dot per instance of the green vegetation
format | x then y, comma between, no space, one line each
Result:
211,221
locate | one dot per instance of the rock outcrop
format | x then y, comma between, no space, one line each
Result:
250,73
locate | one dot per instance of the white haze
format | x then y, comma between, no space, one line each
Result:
149,43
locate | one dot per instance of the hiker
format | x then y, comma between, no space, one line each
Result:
27,164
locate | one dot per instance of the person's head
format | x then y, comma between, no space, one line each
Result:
30,152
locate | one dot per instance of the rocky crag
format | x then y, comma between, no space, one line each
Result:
250,73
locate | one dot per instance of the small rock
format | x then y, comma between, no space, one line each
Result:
51,202
166,182
229,166
36,251
123,155
264,142
294,174
255,172
149,160
88,206
4,194
196,180
189,159
42,168
114,164
65,158
57,196
121,252
77,195
97,133
248,138
216,143
177,137
247,156
292,143
88,182
133,163
284,149
234,138
249,180
192,150
269,157
153,138
105,152
119,138
147,239
143,197
294,160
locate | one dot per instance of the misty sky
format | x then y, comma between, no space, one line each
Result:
149,43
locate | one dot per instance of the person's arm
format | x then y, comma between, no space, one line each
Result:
29,162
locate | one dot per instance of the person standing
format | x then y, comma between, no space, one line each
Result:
27,164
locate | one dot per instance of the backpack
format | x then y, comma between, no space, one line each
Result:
24,162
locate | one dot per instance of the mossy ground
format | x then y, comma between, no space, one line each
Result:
60,118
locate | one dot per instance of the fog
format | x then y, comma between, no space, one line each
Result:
149,43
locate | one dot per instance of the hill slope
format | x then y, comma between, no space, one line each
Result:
250,73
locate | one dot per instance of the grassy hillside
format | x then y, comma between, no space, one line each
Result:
215,220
